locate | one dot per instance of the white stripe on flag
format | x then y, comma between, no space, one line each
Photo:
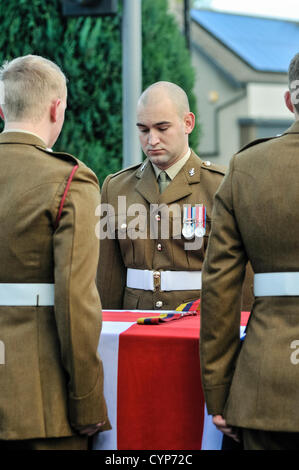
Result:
108,350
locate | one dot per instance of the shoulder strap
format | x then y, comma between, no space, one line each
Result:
64,195
257,141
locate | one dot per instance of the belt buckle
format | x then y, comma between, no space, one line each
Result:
157,280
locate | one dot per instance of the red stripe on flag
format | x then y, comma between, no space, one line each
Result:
160,399
121,315
244,318
160,402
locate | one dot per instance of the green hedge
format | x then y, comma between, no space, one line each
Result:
89,52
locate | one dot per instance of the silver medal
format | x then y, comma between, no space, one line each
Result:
199,231
188,230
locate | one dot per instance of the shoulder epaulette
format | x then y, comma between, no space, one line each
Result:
61,155
130,168
212,167
257,141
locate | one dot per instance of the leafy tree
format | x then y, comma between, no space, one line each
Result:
89,52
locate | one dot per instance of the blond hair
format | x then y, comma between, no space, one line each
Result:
30,83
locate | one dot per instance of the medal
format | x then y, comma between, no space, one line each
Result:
194,221
188,222
200,220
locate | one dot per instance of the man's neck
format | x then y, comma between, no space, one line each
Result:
25,127
174,169
173,162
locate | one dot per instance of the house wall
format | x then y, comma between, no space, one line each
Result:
266,100
267,113
231,114
220,103
236,104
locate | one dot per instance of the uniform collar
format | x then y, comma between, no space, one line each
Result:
174,169
21,137
147,183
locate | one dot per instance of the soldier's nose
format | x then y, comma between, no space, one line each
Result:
153,139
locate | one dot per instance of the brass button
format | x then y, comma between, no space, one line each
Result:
159,304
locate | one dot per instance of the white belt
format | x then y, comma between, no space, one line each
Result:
163,280
26,294
276,284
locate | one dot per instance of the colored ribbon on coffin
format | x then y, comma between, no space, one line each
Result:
186,309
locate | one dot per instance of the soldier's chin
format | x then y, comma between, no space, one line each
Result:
157,158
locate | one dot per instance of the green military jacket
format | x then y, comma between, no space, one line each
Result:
50,374
133,193
255,217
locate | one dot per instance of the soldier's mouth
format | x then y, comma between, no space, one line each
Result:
155,151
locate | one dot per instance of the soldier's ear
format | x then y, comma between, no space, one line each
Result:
288,101
189,121
54,109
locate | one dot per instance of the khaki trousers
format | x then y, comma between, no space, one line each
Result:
57,443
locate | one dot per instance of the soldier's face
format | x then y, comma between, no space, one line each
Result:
163,133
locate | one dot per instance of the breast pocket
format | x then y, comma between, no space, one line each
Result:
131,232
195,249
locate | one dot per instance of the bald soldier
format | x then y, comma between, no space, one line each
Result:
151,258
50,318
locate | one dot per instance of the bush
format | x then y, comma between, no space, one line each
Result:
89,52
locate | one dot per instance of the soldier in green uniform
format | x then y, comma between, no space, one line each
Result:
255,387
50,319
149,260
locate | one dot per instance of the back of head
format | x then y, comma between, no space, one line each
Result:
163,89
294,81
30,83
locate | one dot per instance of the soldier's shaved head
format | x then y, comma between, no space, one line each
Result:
164,123
161,90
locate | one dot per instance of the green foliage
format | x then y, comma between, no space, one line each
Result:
89,52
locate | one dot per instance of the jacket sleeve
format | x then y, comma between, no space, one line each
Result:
111,277
77,303
222,277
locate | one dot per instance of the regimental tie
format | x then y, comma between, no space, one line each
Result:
163,181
